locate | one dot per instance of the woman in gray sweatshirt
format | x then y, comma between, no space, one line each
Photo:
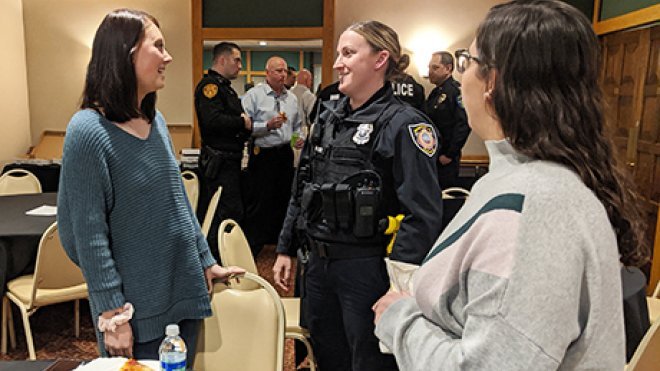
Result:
526,277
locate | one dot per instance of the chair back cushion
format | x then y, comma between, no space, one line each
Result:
647,355
19,181
235,249
191,184
246,331
54,269
210,212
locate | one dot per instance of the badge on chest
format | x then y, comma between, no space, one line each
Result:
363,133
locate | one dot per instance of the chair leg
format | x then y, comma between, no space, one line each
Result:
3,342
76,316
310,354
28,334
10,320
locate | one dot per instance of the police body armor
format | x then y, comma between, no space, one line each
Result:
341,200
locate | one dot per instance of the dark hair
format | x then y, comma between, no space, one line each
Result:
111,84
446,59
382,37
224,48
548,101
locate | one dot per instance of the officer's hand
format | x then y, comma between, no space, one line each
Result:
282,272
275,122
444,160
385,301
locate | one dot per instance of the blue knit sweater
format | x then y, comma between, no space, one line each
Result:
124,218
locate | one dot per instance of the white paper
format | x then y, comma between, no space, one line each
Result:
401,279
43,210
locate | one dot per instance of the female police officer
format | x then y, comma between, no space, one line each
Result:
368,157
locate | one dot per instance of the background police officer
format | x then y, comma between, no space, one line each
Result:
368,156
408,90
224,129
445,108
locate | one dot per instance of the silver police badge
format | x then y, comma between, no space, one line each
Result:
363,133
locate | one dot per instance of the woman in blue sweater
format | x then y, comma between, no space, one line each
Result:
123,214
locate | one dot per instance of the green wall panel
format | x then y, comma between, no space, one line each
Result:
207,58
615,8
262,13
259,59
585,6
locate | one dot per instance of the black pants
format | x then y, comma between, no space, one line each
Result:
270,175
337,304
448,174
230,205
189,330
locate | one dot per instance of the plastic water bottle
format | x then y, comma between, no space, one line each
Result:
172,351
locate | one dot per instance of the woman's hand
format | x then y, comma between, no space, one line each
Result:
120,342
385,301
221,273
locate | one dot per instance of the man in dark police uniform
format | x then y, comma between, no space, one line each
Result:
445,108
224,129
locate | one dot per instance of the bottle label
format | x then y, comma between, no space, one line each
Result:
171,366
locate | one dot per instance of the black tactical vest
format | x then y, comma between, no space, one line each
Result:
342,197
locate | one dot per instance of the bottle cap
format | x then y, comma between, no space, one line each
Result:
172,330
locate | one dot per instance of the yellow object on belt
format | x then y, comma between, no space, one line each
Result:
393,224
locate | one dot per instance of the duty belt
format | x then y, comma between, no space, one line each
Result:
333,251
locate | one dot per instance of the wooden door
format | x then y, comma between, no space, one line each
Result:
629,76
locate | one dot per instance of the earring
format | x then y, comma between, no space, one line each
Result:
487,95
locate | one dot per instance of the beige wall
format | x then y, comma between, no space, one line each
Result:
423,26
15,122
58,36
58,39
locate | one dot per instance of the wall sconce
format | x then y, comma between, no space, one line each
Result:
423,44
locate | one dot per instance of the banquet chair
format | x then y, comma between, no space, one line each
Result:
191,184
452,201
653,303
19,181
210,212
56,279
235,250
246,330
647,355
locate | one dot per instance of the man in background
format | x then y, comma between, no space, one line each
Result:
409,91
306,98
224,128
290,77
274,113
444,107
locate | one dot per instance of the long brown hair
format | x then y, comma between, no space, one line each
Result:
111,84
548,101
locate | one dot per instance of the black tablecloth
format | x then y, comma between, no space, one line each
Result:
48,175
20,234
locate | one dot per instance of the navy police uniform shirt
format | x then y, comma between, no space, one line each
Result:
219,114
404,151
409,91
445,108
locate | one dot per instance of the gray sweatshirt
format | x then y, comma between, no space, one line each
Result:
526,277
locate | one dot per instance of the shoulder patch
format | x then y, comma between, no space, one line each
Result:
210,90
424,138
459,102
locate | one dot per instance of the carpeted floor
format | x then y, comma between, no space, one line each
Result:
52,327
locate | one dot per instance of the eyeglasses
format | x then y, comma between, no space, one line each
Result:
463,58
